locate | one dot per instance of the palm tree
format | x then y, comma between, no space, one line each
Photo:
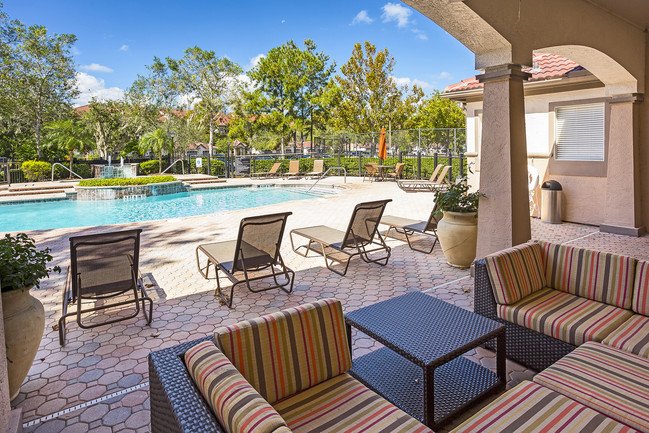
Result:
71,136
157,141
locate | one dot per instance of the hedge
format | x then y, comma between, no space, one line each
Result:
82,170
351,165
36,170
150,167
217,167
127,181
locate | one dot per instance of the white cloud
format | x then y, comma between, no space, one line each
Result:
123,48
188,99
420,34
96,67
75,51
396,12
442,76
362,17
406,81
283,21
254,61
89,87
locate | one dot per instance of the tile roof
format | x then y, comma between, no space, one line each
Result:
546,67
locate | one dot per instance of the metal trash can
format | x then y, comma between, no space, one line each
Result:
551,199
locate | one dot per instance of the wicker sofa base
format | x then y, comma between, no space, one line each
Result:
525,346
177,405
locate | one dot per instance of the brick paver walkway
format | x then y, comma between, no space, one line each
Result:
99,378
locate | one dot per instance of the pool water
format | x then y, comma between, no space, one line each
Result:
81,213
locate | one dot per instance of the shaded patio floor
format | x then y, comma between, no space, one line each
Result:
99,380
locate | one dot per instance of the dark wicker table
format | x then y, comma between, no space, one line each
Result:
421,369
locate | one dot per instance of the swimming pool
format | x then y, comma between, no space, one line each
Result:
81,213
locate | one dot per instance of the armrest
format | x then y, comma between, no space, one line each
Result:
484,301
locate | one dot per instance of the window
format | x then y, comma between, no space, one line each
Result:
579,132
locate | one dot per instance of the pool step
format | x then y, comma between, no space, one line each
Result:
202,181
27,189
32,192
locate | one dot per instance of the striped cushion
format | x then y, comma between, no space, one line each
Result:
531,408
641,288
564,316
595,275
343,404
608,380
286,352
632,336
236,404
516,272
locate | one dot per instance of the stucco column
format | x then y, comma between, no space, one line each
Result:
504,218
623,213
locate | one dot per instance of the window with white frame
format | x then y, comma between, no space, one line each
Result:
579,132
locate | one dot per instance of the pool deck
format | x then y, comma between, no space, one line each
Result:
99,381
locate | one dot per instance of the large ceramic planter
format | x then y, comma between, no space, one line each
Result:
458,236
24,321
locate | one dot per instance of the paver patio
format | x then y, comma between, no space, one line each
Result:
99,380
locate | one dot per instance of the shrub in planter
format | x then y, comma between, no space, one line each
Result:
21,268
149,167
36,170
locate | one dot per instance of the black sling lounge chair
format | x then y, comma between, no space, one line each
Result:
255,249
361,237
104,266
408,227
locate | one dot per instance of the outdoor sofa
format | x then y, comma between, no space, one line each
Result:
284,372
581,317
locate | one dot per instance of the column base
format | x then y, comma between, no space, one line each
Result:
621,230
15,421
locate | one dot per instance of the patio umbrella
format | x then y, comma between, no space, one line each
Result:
383,151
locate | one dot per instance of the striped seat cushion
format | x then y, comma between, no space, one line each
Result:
595,275
608,380
564,316
516,272
343,404
632,336
284,353
641,288
532,408
236,404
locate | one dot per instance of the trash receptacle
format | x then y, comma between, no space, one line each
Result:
551,199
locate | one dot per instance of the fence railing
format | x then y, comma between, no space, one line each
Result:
10,173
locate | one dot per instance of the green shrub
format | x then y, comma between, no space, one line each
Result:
127,181
82,170
21,264
150,167
36,170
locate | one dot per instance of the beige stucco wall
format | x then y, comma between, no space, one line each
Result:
583,197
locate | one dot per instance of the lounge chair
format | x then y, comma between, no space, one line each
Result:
371,171
408,227
255,249
266,174
104,266
398,171
362,232
293,169
318,168
433,184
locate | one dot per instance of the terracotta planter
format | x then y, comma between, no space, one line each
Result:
24,321
458,236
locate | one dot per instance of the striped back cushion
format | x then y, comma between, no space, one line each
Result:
236,404
602,277
286,352
516,272
641,288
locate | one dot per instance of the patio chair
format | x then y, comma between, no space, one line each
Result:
318,168
408,227
293,169
255,249
104,266
433,184
266,174
362,233
398,171
371,171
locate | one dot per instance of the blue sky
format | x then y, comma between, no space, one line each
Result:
117,38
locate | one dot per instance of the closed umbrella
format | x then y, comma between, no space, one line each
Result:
383,151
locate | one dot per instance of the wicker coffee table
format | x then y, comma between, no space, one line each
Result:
421,369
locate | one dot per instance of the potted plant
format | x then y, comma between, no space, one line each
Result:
458,229
21,268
